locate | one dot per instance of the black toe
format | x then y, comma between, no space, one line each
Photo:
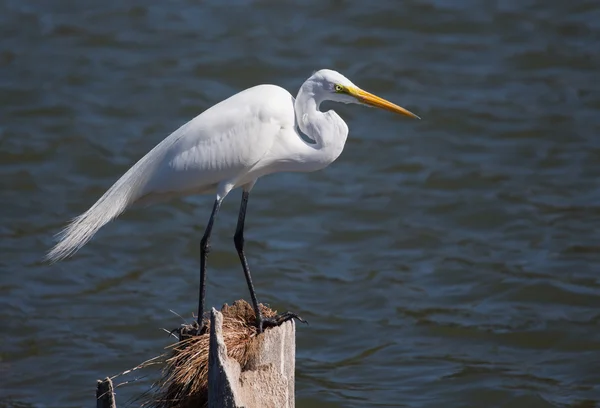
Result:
266,322
190,330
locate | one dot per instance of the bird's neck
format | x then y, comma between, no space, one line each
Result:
326,131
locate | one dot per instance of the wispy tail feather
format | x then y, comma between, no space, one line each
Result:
124,193
82,228
133,185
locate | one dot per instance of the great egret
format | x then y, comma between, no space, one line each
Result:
259,131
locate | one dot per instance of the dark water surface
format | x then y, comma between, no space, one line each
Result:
453,261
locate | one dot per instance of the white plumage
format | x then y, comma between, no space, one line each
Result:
258,131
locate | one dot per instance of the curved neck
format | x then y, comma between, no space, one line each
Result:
328,131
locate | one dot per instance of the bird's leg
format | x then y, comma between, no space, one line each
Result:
238,239
204,250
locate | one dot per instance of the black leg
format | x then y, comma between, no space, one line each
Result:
204,250
238,239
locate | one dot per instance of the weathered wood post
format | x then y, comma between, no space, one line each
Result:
267,381
229,367
105,394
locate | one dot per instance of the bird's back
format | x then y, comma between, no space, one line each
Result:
220,144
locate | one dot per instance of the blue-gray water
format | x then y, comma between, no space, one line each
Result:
453,261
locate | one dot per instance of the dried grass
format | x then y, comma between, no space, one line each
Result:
185,376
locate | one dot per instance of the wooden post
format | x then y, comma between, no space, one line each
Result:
257,372
105,394
268,378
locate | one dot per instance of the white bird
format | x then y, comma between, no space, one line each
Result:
258,131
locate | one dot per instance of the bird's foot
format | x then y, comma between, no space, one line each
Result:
190,330
266,322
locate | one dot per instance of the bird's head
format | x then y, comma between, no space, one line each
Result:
333,86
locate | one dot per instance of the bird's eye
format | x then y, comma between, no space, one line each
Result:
339,88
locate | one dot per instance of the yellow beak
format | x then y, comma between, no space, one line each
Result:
374,100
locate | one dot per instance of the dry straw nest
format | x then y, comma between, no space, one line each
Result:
185,375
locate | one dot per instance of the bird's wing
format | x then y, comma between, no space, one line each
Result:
220,144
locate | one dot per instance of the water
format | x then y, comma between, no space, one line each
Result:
452,261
